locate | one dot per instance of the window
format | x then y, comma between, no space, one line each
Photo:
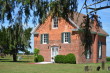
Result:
88,55
44,38
55,22
66,37
99,50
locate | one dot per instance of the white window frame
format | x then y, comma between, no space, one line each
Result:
54,52
99,50
88,54
44,39
53,22
66,37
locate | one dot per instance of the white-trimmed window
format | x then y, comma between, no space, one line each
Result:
44,38
55,22
99,50
88,55
66,37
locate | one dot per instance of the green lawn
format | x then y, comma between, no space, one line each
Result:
23,66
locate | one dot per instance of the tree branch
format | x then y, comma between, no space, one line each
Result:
100,8
94,3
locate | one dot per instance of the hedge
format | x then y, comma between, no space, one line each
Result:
59,59
69,58
39,58
108,58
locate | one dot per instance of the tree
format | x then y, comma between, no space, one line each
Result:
43,8
15,38
27,52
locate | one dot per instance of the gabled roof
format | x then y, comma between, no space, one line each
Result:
71,21
77,21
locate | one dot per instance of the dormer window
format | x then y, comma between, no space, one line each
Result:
55,22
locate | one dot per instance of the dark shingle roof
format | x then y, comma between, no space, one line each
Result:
78,19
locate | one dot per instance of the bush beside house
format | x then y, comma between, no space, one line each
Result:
37,58
69,58
59,59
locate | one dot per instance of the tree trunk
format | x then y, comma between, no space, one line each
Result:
15,57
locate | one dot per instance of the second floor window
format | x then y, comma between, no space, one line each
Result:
55,22
44,38
66,37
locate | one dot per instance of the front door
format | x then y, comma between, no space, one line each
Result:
54,52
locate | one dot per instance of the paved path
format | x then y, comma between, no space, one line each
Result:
41,63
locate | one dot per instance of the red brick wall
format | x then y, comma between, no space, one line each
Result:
94,50
55,39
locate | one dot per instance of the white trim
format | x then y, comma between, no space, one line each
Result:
73,23
88,54
34,29
43,39
64,38
53,24
54,47
99,50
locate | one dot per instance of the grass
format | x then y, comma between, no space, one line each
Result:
23,66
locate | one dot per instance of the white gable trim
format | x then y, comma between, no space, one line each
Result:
73,23
35,28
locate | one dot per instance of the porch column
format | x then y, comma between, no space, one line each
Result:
95,49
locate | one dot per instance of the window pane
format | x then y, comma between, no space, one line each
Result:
55,22
45,38
99,50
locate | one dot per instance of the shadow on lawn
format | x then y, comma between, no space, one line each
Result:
8,60
4,59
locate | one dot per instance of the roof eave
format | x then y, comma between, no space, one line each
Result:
34,29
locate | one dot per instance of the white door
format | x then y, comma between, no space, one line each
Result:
54,52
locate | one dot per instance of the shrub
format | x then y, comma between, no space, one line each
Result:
70,58
35,59
59,59
36,51
40,58
108,58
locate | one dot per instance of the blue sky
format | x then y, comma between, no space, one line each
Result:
105,19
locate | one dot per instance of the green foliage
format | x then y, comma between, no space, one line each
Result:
108,58
27,52
40,58
70,58
59,59
37,58
38,7
14,38
36,51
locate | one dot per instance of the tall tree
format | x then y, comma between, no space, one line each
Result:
15,39
42,8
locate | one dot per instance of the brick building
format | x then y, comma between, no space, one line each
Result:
57,36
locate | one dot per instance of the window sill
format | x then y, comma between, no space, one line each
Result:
54,28
66,43
44,43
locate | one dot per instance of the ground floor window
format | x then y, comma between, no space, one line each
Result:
88,54
99,49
